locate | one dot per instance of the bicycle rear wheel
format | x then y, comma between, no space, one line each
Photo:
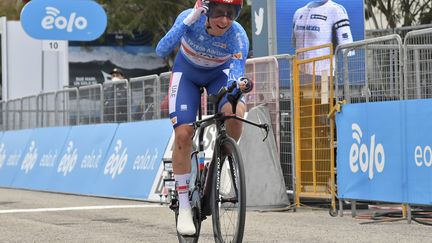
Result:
229,195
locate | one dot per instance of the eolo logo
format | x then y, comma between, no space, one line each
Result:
367,158
82,20
54,19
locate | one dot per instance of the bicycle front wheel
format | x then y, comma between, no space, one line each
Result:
229,194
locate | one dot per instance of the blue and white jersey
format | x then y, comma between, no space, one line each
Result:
315,25
205,51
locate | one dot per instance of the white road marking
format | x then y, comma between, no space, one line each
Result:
35,210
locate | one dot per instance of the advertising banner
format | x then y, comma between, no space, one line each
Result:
384,151
133,159
369,153
418,151
81,20
306,23
12,147
80,161
40,157
260,32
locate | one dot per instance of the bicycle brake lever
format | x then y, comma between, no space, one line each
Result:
266,128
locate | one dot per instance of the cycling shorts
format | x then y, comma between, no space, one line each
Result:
184,93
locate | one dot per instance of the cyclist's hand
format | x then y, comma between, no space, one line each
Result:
245,85
194,16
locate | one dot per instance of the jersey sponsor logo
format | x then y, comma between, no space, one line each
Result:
345,35
219,44
207,57
173,91
318,16
174,120
341,23
308,27
237,55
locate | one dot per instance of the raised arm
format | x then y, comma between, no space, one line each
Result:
187,18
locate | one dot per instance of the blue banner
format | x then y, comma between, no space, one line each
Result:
115,160
133,160
40,157
384,151
81,159
12,147
418,115
260,36
80,20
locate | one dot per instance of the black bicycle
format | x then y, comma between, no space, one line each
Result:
219,186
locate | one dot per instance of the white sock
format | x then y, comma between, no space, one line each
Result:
182,184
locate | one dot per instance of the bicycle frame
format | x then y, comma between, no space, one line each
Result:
200,195
218,119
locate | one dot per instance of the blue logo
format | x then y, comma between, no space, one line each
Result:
82,20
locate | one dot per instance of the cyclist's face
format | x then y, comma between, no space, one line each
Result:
221,18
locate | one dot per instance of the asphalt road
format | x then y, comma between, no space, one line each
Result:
29,216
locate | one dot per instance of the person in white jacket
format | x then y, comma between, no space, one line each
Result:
320,22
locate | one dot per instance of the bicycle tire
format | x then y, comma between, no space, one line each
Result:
227,199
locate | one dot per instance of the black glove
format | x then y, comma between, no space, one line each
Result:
249,84
205,5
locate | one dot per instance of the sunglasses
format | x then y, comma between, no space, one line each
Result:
223,11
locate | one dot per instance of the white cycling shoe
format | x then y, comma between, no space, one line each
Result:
226,189
185,225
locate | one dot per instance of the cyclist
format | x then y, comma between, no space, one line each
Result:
213,52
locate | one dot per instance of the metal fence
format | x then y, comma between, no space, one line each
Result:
379,69
401,31
265,72
314,132
418,64
369,70
286,134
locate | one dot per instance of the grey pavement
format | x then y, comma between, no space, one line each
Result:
30,216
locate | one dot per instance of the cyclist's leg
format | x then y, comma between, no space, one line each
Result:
234,127
183,104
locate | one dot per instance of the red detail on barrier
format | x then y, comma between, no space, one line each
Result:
182,188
